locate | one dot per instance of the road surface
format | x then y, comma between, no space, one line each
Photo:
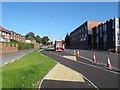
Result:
101,56
95,75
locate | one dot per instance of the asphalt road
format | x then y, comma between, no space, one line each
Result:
100,76
101,56
7,58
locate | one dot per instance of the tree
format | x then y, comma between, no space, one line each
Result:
30,36
45,40
38,39
67,39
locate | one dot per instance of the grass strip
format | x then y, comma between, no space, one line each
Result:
26,71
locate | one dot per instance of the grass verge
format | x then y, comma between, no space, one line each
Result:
26,71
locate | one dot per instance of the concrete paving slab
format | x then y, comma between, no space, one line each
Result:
63,73
71,57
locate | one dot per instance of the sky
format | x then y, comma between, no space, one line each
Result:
54,19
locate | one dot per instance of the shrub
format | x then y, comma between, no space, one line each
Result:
22,45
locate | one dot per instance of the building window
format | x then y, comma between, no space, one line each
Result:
118,42
82,29
97,30
79,30
113,37
0,32
105,38
113,24
84,38
100,31
85,35
105,27
97,39
85,28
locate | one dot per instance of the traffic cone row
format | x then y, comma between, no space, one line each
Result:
94,58
77,53
74,52
109,65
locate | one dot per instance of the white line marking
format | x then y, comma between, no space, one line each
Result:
6,63
90,82
12,60
89,64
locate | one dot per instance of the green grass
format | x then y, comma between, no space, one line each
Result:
26,71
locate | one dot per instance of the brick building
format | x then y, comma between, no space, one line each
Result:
4,35
17,37
107,35
81,37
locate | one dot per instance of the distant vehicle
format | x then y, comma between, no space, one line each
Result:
44,47
59,45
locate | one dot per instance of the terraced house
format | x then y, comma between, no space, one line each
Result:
6,35
17,37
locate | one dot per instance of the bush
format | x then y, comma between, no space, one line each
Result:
12,40
22,45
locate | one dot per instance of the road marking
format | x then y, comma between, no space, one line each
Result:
6,63
90,82
80,56
89,64
71,57
40,50
12,60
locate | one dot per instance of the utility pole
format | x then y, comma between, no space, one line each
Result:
50,28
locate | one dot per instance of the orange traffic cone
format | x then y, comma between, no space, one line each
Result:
109,63
74,52
78,53
94,59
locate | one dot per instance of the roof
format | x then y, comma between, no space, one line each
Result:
4,30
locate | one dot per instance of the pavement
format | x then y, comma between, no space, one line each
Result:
65,74
63,77
10,57
95,75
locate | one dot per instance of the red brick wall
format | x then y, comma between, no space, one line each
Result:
36,45
7,48
91,24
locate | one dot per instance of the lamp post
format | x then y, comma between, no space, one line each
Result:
50,27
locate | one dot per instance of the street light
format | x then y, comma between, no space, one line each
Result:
50,25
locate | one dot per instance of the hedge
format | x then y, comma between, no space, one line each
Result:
21,45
